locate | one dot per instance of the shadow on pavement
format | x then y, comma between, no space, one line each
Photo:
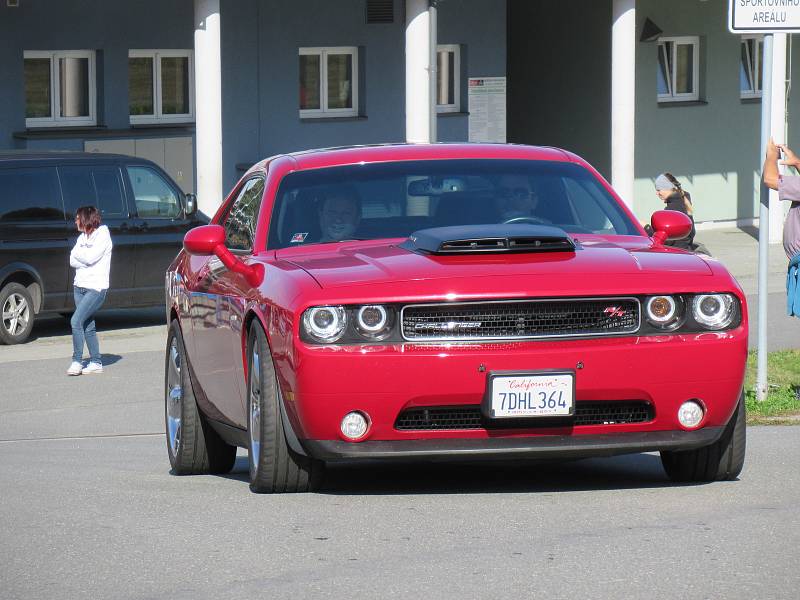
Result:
113,319
634,471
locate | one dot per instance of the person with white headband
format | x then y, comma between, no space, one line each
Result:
669,190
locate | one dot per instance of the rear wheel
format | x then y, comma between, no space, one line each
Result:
193,446
722,460
274,467
16,305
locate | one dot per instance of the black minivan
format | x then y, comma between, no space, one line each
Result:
144,209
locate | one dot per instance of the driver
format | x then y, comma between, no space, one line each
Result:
339,214
515,199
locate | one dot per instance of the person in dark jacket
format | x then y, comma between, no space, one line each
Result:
669,189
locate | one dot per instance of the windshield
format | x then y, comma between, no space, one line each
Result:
392,200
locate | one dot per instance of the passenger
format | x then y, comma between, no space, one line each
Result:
339,214
669,190
91,259
516,200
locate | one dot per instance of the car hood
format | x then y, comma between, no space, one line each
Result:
349,264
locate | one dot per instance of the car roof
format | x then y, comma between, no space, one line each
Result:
64,155
348,155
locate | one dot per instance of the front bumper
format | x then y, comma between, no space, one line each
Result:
540,447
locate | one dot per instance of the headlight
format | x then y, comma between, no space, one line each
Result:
664,312
373,321
714,311
325,324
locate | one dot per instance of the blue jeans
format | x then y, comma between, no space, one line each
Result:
87,302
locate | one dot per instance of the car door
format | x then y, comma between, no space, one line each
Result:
101,186
218,300
33,231
160,225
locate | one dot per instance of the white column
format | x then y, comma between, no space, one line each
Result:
420,67
777,128
623,97
208,105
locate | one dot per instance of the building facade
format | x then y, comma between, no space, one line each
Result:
117,76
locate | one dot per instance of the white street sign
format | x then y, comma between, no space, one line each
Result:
764,16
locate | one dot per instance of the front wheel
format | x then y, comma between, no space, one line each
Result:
194,448
720,461
17,313
274,467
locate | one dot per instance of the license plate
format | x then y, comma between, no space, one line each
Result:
531,394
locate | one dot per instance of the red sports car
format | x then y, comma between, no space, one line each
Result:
449,301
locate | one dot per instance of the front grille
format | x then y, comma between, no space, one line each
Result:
469,417
513,319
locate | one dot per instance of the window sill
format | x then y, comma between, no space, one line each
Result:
332,119
750,100
672,103
100,131
453,114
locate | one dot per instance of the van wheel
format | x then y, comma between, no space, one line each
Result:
17,313
193,446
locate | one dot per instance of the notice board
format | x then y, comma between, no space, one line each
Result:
487,109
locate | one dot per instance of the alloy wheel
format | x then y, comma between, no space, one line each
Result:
254,426
16,314
174,397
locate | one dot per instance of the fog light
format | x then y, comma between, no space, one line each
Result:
690,414
354,425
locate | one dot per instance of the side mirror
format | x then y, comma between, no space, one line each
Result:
210,239
204,240
669,225
191,204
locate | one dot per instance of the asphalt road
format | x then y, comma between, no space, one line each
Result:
89,509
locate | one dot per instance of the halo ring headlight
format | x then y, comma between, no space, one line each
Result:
372,318
664,312
713,311
325,324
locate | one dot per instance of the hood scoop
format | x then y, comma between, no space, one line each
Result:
487,239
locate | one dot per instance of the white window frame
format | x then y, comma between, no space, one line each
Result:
456,106
755,64
54,120
158,116
323,110
689,40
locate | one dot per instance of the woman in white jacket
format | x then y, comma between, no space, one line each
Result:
91,259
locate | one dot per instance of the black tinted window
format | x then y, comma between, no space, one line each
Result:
240,224
96,186
30,194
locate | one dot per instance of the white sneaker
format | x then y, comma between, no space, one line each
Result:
75,368
92,368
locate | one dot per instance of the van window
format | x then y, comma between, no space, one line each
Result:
154,196
30,194
96,186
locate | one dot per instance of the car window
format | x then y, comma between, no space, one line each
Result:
30,194
395,199
99,186
240,222
154,197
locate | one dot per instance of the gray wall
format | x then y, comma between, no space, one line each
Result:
559,77
260,95
110,27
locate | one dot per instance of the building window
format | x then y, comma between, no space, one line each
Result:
329,82
750,66
59,88
678,69
448,71
160,86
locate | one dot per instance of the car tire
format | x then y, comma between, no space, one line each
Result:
16,305
720,461
193,446
274,466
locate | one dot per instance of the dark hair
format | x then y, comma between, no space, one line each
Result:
88,218
687,199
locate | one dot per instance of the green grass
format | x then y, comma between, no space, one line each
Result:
783,377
